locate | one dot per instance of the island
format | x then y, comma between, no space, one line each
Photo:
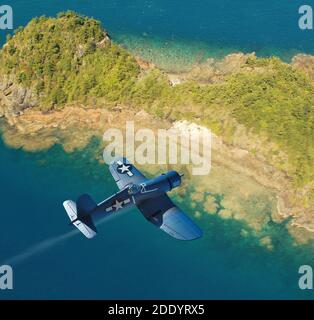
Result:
63,80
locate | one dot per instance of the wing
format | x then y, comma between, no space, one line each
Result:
125,173
163,213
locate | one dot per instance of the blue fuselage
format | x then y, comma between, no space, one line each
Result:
134,194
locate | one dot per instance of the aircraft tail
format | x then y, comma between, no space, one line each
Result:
79,214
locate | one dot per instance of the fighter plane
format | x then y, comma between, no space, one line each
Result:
148,195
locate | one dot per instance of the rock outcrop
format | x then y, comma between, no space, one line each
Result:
212,71
14,99
304,63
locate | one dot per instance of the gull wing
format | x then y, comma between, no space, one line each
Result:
164,214
125,173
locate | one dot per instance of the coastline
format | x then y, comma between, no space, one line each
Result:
77,79
74,126
71,91
180,55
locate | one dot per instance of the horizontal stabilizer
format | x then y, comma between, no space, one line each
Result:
85,224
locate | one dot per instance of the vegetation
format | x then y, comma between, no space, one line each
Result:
276,101
64,60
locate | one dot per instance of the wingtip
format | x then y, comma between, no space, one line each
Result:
197,235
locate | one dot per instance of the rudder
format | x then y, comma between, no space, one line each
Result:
85,205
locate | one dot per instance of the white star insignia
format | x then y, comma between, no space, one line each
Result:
124,168
118,205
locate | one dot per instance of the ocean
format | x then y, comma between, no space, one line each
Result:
130,258
176,33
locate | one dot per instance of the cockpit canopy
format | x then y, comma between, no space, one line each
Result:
133,189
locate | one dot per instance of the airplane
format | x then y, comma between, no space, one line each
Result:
135,190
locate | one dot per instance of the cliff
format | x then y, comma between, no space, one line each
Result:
15,98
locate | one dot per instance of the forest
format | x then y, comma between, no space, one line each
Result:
66,60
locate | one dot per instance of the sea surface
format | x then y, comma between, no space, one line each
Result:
176,33
130,258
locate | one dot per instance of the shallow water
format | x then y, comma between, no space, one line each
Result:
176,33
129,258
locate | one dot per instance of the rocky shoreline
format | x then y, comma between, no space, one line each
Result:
215,71
74,126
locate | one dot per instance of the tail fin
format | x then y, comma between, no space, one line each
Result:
85,204
78,214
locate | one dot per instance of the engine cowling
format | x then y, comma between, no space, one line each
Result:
174,179
159,185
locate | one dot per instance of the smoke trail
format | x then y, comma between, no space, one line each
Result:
48,244
40,248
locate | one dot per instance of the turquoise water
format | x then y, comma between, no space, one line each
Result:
184,29
130,258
